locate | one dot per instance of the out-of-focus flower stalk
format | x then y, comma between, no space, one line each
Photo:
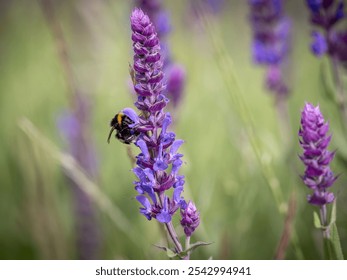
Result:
74,125
328,39
271,29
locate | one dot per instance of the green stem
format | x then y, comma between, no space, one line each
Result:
227,71
340,93
324,222
187,245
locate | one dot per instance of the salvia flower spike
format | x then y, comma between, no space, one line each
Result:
158,164
314,140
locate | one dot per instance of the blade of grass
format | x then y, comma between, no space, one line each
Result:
74,171
227,71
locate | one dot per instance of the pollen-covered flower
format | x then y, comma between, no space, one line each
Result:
314,140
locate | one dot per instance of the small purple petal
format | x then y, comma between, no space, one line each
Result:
319,45
175,146
143,146
177,194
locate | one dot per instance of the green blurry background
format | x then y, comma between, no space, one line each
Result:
223,175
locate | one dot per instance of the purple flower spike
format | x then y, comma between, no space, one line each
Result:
190,218
314,141
325,15
174,74
271,39
159,162
75,127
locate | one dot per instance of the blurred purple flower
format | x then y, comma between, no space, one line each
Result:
74,125
176,82
271,40
314,141
325,15
274,81
319,45
315,5
159,162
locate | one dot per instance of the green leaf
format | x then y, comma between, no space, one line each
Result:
335,243
332,245
333,213
328,89
194,246
170,253
316,220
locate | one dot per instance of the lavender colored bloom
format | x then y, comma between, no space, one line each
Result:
190,218
74,127
173,77
175,83
319,45
314,5
325,15
161,20
314,141
274,81
271,36
159,162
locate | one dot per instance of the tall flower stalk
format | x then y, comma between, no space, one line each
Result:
331,40
75,127
318,176
158,183
271,29
74,124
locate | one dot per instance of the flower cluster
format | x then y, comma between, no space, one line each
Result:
159,162
175,75
325,15
314,141
271,36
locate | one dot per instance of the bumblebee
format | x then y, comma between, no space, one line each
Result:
121,123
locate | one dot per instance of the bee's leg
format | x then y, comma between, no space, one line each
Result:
109,136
